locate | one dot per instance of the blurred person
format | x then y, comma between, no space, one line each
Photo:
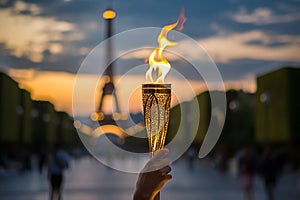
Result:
153,176
41,161
247,165
58,162
221,160
26,161
191,156
4,163
268,167
298,182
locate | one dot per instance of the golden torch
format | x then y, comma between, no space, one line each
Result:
156,94
156,102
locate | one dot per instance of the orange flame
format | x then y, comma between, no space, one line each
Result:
156,61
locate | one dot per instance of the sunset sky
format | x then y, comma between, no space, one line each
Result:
43,43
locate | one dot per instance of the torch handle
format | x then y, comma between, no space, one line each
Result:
157,197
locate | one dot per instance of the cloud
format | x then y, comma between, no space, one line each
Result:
25,34
254,44
226,47
21,6
263,16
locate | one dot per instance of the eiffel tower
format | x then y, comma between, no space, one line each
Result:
108,112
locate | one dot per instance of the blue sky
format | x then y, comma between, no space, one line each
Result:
271,20
243,37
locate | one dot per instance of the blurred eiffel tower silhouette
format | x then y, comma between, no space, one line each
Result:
108,113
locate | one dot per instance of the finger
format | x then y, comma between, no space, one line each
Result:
168,177
158,161
160,154
165,170
159,164
165,179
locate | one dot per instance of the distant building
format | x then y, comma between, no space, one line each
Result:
44,130
10,110
65,131
25,123
238,129
278,106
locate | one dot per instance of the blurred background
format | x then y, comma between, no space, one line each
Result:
254,44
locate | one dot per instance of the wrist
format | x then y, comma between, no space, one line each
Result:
140,196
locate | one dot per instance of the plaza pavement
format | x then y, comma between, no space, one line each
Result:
87,179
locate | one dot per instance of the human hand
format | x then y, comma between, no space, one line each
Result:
153,176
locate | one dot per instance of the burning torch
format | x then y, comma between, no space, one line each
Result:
156,94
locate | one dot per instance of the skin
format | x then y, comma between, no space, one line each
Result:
153,177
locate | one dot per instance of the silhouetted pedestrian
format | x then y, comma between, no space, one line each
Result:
58,162
247,165
191,156
26,162
41,162
269,168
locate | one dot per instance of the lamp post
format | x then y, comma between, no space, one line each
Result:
34,113
20,113
234,105
265,99
236,131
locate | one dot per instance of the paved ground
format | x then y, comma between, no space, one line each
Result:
89,180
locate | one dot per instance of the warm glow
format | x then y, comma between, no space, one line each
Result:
108,129
97,116
77,124
46,85
156,60
108,104
109,14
